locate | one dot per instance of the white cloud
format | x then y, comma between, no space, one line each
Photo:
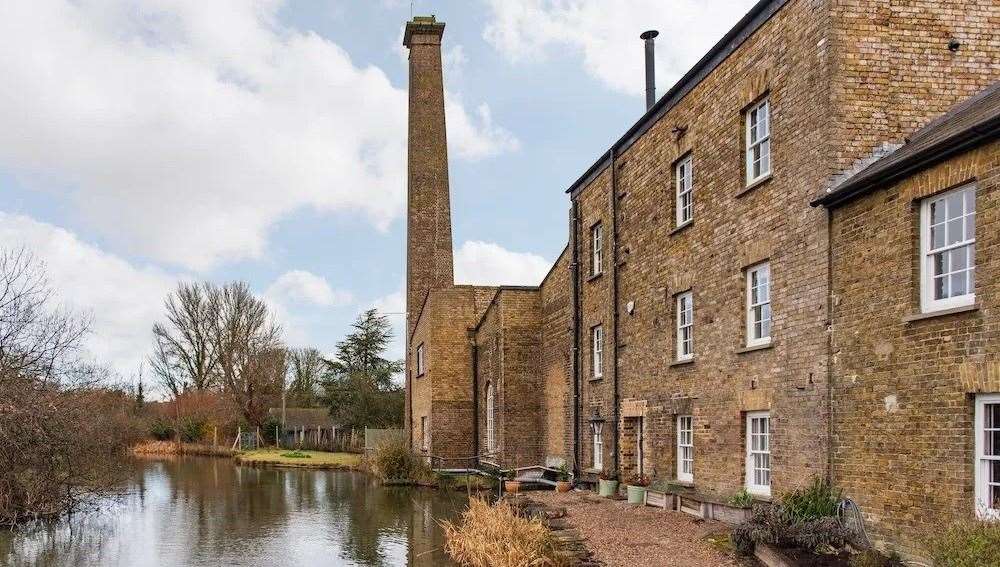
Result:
182,130
123,300
605,33
486,263
300,286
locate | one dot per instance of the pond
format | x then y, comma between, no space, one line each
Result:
202,511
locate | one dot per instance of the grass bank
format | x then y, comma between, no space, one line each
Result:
174,448
300,459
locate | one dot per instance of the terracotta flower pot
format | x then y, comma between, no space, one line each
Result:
564,486
512,486
607,488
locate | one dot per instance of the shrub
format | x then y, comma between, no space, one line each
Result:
967,544
818,500
270,429
741,499
638,480
775,525
394,460
608,475
296,455
563,473
193,429
161,430
494,536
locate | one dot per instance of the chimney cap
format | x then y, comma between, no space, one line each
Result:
423,25
649,34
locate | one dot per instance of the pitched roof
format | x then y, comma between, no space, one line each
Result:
304,417
969,124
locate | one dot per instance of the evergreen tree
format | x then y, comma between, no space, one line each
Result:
140,397
359,388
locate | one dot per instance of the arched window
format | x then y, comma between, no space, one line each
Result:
491,438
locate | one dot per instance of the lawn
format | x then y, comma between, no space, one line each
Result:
295,458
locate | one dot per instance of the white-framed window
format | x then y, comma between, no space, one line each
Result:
758,473
597,429
685,326
758,130
420,360
685,194
987,423
596,249
685,448
491,436
423,433
948,249
597,351
758,284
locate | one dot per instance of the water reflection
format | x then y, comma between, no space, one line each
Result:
200,511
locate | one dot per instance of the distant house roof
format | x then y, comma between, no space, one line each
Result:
969,124
304,417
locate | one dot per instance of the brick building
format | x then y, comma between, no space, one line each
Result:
915,311
685,331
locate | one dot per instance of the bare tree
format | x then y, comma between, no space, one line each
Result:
62,433
185,354
250,353
35,337
306,368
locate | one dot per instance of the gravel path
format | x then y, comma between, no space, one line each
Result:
640,536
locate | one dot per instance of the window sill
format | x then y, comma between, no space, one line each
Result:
760,496
940,313
595,378
681,362
755,348
755,185
593,277
421,374
681,483
681,227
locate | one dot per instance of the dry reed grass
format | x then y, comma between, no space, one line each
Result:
494,536
174,448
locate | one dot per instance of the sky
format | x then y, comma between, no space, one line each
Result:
148,142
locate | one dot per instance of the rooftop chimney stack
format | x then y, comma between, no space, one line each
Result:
647,38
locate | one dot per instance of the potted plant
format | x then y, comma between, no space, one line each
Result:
563,484
636,488
607,484
509,484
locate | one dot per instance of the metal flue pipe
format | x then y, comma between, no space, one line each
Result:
647,38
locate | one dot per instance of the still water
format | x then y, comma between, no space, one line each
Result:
202,511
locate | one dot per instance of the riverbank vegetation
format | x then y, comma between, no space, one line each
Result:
393,461
494,536
145,448
298,458
64,428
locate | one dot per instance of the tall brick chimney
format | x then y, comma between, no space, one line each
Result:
429,261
